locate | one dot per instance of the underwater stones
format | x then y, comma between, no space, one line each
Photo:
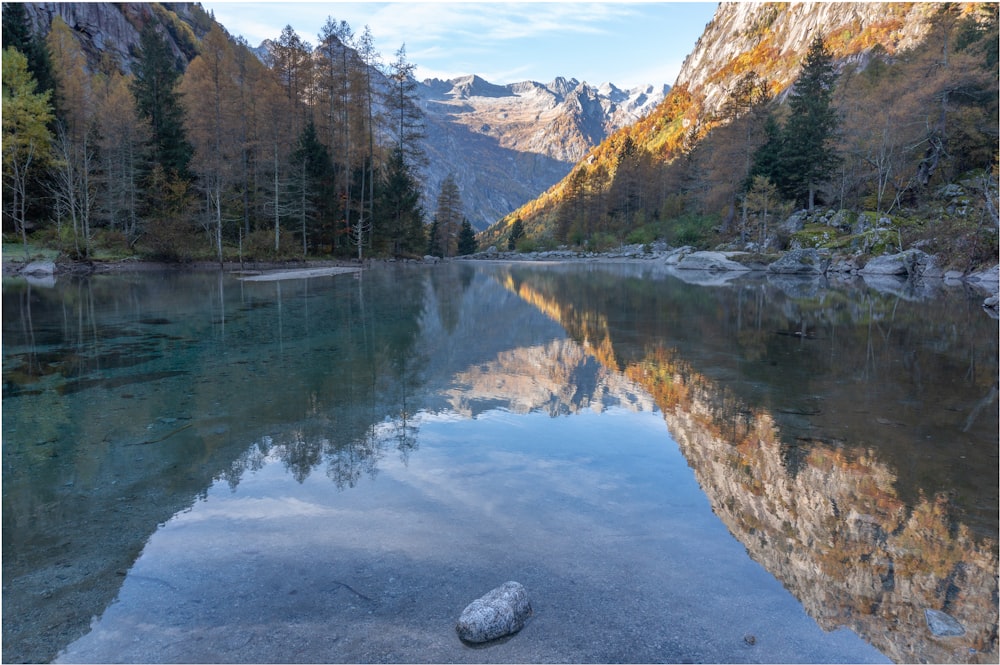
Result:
500,612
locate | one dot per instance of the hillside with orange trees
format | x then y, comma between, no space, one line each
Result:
915,97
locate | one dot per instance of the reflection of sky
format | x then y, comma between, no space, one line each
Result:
597,514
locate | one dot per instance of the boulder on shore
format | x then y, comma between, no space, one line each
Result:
800,262
712,261
39,268
912,264
500,612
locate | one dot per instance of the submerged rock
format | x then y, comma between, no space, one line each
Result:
500,612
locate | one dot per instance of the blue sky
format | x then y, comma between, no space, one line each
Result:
625,43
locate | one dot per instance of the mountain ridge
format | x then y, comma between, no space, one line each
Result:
506,143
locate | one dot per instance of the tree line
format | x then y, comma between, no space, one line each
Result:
303,151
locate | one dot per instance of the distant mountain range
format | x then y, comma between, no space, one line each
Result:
506,144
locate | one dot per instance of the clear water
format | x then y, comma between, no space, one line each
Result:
198,468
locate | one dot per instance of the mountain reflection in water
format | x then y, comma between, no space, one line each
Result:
855,458
846,438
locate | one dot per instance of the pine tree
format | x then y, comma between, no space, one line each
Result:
467,239
17,33
399,221
767,159
155,90
808,154
432,240
516,233
311,163
406,118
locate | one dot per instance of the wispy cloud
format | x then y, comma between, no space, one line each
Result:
493,23
623,42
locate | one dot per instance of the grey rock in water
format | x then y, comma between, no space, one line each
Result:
890,264
800,262
911,264
712,261
942,624
500,612
39,268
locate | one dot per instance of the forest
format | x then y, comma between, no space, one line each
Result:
302,152
883,150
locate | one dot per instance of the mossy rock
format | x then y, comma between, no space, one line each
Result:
820,236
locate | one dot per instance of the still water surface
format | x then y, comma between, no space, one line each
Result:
198,468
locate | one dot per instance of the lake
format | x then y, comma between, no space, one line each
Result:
199,468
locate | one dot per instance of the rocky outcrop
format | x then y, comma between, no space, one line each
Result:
499,613
113,29
782,31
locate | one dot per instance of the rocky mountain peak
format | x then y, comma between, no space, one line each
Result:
506,143
475,86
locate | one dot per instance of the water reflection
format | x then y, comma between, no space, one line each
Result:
849,442
846,438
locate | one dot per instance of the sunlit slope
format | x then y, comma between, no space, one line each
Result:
767,41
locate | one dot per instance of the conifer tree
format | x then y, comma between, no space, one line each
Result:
406,118
17,33
448,217
74,178
432,240
808,155
155,90
516,233
767,159
467,239
399,221
313,170
212,99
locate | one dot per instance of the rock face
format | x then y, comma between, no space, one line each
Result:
114,28
500,612
784,30
506,144
942,624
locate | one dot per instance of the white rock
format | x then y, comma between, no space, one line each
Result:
500,612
